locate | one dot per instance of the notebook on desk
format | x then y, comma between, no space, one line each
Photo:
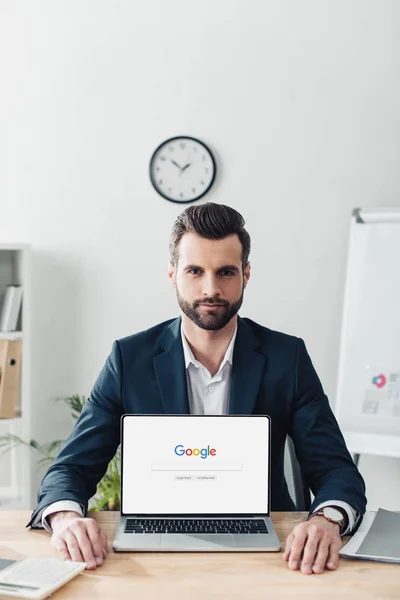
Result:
195,483
377,538
35,578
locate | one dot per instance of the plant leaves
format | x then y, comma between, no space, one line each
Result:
108,493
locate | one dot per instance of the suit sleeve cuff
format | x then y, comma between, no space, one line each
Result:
41,517
352,514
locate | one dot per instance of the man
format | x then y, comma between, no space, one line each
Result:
209,361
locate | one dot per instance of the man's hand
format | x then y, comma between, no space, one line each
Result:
78,539
312,545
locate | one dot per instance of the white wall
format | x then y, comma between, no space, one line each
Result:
299,99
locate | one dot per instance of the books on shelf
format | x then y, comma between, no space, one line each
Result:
10,308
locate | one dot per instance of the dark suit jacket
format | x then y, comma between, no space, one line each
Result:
272,374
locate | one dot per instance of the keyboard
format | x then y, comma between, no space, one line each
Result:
195,526
37,578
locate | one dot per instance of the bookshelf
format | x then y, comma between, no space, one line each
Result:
11,335
16,464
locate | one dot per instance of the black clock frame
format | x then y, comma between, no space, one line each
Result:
182,137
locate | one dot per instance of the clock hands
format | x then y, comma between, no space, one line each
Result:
179,167
176,164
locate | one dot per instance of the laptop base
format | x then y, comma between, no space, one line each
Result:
198,542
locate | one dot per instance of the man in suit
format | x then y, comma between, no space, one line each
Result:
209,361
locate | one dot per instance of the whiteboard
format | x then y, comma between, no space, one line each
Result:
368,389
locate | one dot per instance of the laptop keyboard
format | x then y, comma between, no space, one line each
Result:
195,526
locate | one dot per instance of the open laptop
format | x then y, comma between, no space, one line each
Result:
195,483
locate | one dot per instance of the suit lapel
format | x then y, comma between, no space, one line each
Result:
170,371
247,369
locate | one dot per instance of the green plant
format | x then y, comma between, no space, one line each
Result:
108,495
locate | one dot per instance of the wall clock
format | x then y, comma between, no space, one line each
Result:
182,169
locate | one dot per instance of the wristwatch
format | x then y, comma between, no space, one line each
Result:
332,514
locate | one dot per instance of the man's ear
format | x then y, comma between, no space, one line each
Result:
171,273
246,274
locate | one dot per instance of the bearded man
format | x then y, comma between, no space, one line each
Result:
209,361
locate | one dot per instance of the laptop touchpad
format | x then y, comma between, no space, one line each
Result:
143,541
250,541
197,541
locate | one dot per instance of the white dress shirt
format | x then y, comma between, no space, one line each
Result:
208,395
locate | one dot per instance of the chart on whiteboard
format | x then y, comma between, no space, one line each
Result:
382,394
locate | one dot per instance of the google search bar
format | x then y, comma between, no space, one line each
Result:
199,466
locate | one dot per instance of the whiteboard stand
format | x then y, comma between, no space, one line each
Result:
367,403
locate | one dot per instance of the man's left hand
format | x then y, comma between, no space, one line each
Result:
313,545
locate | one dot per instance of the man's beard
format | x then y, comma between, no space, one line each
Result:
212,320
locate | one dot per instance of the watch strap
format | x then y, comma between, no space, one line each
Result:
345,523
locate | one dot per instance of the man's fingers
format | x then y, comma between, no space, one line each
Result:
104,541
62,549
80,531
73,546
333,557
96,540
313,546
321,557
300,537
288,546
81,540
310,549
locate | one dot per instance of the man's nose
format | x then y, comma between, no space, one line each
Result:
211,285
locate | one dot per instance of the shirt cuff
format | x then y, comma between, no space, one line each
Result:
41,517
351,513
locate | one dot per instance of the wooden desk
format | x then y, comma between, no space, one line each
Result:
209,575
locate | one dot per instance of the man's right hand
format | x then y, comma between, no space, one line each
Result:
78,539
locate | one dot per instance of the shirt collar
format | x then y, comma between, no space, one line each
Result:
190,359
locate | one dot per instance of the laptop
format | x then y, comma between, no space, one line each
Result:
194,483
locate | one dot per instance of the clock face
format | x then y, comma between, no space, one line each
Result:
182,169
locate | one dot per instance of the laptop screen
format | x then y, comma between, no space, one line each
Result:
195,465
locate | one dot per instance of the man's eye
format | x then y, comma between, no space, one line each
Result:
227,273
194,271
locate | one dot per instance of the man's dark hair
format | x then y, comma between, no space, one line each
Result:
211,221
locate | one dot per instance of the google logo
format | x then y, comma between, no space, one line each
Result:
204,452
